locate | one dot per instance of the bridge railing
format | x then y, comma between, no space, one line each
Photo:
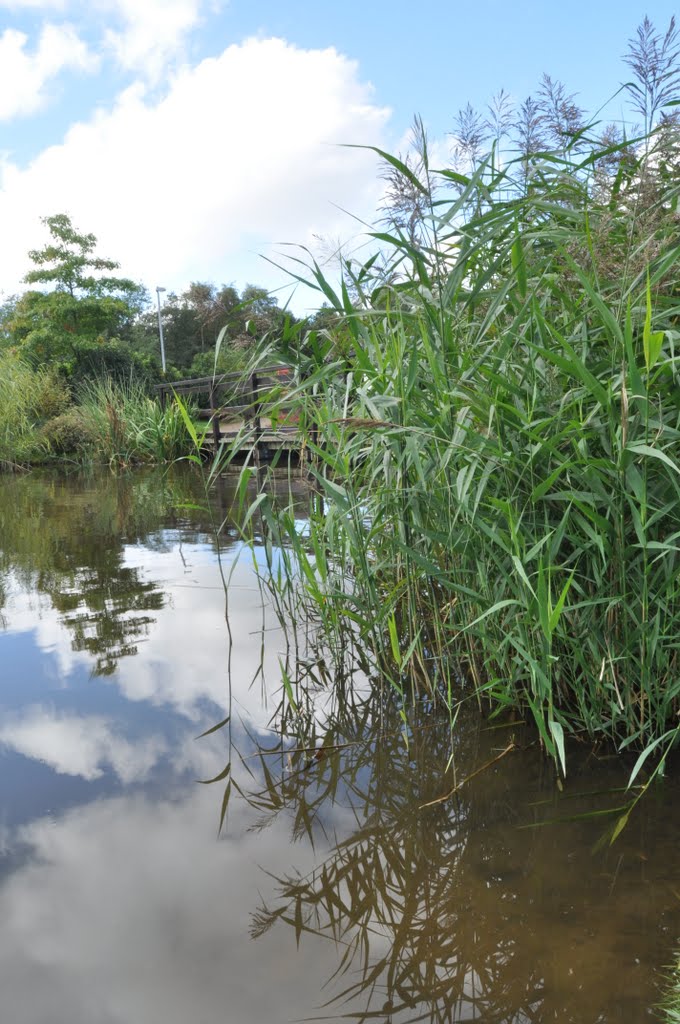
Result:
237,395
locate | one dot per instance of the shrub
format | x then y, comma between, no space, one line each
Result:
67,434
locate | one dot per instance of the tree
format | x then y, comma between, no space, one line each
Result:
83,301
261,311
180,332
193,321
7,313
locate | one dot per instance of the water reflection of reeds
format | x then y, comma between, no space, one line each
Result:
446,910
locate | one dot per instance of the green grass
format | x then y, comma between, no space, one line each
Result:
28,399
125,425
105,421
670,1005
497,452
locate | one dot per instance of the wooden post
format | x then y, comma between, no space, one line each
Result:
257,421
215,420
313,437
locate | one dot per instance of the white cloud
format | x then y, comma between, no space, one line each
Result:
143,37
242,151
130,910
169,670
24,75
79,745
152,32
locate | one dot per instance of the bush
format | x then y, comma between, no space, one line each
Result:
67,434
110,360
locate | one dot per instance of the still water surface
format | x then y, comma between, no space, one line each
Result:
332,889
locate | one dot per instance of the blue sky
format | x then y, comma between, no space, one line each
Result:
194,137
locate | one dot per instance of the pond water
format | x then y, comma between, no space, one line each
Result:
339,885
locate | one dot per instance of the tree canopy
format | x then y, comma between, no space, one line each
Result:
193,320
81,300
79,314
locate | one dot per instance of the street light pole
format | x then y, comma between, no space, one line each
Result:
160,325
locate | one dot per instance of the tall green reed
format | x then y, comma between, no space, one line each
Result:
125,425
669,1008
28,398
496,451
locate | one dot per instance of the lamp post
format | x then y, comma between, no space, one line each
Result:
160,325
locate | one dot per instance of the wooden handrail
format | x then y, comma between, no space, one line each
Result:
244,386
222,380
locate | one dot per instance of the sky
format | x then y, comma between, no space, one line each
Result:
214,140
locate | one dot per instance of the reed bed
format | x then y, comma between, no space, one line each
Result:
124,425
28,398
669,1009
494,425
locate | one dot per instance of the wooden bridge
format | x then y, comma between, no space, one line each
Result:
243,407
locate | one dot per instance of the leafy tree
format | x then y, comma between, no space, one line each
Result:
7,312
193,321
82,301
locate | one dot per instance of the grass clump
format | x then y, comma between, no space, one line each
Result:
669,1007
125,425
105,420
29,398
496,449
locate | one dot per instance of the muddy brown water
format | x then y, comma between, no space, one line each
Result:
341,886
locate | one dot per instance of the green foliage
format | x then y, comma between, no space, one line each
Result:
127,426
112,360
82,303
114,419
7,310
229,360
497,454
28,398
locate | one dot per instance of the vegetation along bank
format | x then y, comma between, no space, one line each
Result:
491,402
493,409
